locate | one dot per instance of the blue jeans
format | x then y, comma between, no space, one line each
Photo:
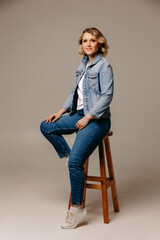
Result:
85,143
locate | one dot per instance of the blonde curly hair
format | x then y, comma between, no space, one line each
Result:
100,38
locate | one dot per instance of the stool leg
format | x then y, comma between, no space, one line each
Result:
85,174
69,204
111,174
103,183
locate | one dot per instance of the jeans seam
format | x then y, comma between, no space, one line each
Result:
58,140
78,202
78,192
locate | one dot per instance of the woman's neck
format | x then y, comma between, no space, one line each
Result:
91,58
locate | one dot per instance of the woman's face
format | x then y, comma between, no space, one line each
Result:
90,45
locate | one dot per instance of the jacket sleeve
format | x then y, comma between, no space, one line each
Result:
68,103
106,81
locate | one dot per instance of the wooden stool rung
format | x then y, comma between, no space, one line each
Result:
109,182
93,178
93,186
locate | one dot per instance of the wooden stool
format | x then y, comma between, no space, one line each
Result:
105,183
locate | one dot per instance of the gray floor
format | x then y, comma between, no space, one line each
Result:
34,186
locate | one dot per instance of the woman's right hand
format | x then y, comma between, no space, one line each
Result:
55,116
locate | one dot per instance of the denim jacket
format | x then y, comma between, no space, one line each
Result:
97,88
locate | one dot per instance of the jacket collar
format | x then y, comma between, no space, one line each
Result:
97,58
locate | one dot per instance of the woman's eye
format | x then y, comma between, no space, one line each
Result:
92,40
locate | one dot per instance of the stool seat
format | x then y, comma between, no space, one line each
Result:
104,182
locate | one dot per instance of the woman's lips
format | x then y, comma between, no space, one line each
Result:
88,48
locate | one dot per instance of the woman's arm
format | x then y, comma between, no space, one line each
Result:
68,103
107,86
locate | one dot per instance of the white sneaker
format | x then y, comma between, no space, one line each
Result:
73,219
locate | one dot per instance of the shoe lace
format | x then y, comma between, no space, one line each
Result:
69,216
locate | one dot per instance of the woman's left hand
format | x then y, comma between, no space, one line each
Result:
84,121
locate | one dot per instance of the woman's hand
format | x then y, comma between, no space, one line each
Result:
56,116
84,121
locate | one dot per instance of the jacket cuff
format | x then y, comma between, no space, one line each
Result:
66,108
92,113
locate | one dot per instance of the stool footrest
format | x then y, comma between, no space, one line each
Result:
109,182
93,186
93,178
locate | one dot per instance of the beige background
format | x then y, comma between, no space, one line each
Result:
38,59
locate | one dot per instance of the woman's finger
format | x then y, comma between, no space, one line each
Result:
78,124
80,128
50,119
47,120
55,119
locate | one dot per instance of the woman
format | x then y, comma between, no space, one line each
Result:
89,116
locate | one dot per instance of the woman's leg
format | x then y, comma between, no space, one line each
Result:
53,132
85,143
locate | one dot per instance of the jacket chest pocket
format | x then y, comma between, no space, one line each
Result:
78,75
92,79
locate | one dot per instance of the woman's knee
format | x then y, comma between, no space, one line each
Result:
74,163
47,128
43,127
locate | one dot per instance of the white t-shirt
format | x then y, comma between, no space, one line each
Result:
80,91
